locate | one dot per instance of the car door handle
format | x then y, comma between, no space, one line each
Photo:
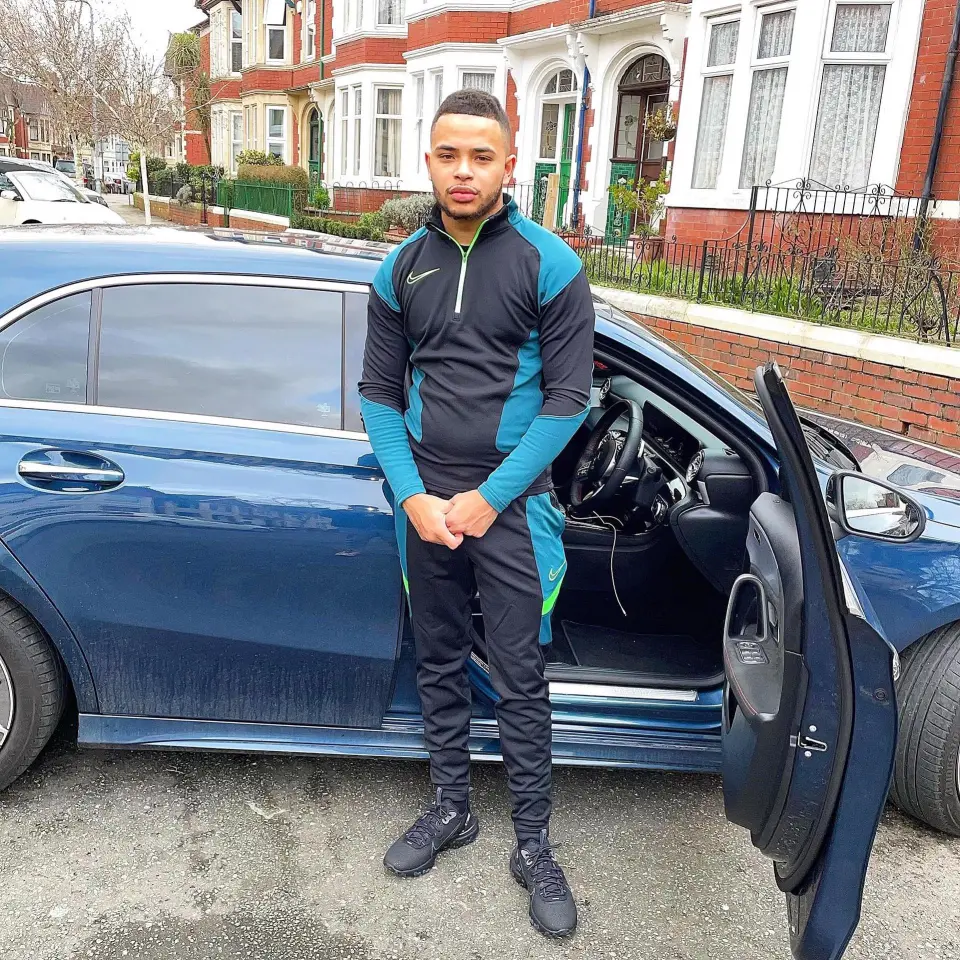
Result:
69,471
64,471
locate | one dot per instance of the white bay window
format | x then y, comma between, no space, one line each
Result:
774,43
386,158
715,102
277,131
854,70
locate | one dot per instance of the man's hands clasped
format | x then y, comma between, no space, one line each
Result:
447,522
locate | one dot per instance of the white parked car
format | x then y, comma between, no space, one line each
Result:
31,194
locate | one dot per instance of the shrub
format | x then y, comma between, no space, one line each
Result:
257,158
353,231
373,224
154,165
407,212
320,198
182,170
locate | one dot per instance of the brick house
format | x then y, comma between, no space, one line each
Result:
26,127
347,88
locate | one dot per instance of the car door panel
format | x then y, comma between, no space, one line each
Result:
236,574
809,725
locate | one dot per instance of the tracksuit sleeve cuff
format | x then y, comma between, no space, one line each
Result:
497,502
407,491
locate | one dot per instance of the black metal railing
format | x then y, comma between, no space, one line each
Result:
912,295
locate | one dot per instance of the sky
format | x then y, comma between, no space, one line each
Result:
154,19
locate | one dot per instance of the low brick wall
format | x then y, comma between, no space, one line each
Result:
910,394
189,216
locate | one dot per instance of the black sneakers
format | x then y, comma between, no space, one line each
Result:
552,908
441,827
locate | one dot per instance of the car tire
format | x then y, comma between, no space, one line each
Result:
32,690
926,775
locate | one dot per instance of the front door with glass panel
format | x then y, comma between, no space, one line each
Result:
315,141
555,151
644,88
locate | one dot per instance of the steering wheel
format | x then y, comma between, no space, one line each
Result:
606,458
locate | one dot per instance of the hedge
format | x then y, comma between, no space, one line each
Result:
337,228
274,176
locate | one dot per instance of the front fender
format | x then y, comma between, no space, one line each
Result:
17,583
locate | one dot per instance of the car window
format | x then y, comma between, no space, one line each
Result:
355,335
46,187
43,355
5,182
226,350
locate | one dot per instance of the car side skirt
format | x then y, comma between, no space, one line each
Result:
572,745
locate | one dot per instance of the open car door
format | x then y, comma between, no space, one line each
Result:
810,716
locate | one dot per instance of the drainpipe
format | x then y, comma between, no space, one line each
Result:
580,133
947,85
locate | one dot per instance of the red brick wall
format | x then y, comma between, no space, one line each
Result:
267,80
371,50
454,28
693,225
544,15
189,216
355,200
580,9
920,406
935,32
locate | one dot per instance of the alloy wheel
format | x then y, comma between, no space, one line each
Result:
6,702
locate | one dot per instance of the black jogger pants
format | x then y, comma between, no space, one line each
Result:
517,567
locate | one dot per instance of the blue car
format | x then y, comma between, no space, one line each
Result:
197,548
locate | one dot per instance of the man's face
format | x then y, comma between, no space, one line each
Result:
469,165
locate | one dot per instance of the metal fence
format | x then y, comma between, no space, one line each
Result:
913,296
280,200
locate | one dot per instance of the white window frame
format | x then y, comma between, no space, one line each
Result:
283,140
236,146
356,131
398,117
309,30
759,64
708,72
419,100
437,86
270,30
250,124
251,32
345,95
877,58
352,16
235,41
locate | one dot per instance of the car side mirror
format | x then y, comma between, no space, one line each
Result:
9,195
873,508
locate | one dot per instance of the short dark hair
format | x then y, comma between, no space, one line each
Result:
476,103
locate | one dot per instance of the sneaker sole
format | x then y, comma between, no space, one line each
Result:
534,922
460,840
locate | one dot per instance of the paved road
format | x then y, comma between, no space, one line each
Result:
179,856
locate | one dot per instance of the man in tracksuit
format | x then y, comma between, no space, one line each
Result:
477,373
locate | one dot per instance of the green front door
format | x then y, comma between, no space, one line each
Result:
566,164
618,224
540,172
316,141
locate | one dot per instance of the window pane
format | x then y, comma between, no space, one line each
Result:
388,12
236,25
387,158
860,28
277,45
478,81
275,123
548,130
247,352
713,125
776,34
552,85
236,64
355,327
418,94
763,126
847,124
437,90
388,102
629,128
275,11
357,101
723,43
43,356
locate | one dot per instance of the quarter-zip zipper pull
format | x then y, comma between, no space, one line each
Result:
458,308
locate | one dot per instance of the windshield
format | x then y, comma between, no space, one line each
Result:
45,187
66,166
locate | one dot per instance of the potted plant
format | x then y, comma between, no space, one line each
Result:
661,123
573,237
643,206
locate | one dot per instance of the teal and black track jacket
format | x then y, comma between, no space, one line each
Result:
478,361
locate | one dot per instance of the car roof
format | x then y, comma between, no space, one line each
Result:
35,259
17,163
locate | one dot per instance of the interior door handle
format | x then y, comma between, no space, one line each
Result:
65,471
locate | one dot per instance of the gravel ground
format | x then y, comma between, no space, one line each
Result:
156,856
